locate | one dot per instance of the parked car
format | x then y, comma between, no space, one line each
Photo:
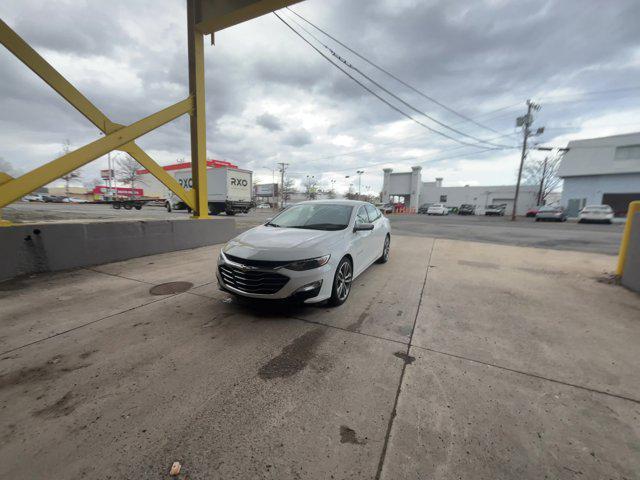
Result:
53,198
467,209
596,214
424,208
263,205
311,252
73,200
35,197
495,210
437,209
553,213
532,212
386,208
453,210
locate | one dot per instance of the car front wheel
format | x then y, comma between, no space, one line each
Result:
341,283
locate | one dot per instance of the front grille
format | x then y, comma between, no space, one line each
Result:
268,264
252,281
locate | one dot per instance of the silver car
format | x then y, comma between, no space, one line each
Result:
551,213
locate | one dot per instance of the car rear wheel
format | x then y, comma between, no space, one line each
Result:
385,250
341,282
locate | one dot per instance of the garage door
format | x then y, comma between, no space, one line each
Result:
620,201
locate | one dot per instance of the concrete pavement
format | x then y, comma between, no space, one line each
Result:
453,360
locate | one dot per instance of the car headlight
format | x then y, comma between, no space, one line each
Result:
308,264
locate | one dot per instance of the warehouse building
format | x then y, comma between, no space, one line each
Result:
409,188
601,171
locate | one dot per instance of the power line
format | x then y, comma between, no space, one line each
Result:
402,112
388,92
396,78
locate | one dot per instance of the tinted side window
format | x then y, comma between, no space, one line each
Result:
373,212
362,217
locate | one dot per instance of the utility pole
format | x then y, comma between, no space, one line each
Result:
283,168
544,173
525,122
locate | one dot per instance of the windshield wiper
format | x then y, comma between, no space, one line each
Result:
322,226
269,224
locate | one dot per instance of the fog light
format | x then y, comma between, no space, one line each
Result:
310,287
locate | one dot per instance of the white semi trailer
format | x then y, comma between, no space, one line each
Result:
228,190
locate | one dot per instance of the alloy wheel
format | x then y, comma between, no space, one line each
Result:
343,280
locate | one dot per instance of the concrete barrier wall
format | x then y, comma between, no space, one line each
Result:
28,249
631,269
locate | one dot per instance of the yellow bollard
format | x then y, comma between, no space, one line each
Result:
634,207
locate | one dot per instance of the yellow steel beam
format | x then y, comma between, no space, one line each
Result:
195,47
634,207
27,55
216,15
18,187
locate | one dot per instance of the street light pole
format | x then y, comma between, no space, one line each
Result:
360,172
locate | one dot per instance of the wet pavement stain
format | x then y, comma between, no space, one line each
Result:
355,326
472,263
348,435
293,358
61,408
408,359
42,373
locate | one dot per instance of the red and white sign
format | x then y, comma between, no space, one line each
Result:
104,174
118,191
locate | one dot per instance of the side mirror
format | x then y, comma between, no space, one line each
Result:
363,227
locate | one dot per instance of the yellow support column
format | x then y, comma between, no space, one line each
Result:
4,178
198,119
634,207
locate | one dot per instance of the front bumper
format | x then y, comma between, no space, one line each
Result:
309,286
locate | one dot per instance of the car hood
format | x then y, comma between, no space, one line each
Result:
278,243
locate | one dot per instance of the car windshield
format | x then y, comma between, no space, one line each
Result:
318,216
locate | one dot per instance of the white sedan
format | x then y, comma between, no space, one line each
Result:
596,213
437,209
311,252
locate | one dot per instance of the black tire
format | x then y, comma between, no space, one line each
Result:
138,207
127,206
537,219
116,206
230,213
338,295
384,258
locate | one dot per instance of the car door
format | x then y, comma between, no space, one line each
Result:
362,242
378,234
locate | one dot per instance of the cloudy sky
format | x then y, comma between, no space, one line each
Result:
272,98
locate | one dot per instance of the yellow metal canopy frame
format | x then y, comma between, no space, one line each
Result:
203,17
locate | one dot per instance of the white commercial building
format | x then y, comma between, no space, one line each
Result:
415,192
601,171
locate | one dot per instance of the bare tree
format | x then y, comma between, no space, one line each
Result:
311,187
66,148
288,189
544,174
127,171
91,184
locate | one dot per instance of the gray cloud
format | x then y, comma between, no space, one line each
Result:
297,138
269,122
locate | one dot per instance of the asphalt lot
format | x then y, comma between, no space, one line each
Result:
453,360
524,232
